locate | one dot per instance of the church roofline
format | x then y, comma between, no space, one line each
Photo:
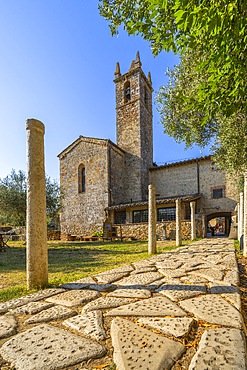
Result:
88,139
159,201
181,163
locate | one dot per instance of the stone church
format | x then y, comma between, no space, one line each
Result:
102,180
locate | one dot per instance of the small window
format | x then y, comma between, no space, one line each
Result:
127,94
81,179
145,96
140,216
166,214
217,193
120,217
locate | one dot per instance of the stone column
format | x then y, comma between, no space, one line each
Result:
151,220
245,216
204,226
178,223
193,220
240,216
37,253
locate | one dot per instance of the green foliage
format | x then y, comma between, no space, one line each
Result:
13,199
98,233
204,101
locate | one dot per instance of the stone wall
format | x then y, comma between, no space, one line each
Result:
140,231
83,213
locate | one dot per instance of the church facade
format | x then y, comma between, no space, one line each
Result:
100,179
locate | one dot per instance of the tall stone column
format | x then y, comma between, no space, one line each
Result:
37,253
193,220
178,223
245,216
151,220
240,216
204,226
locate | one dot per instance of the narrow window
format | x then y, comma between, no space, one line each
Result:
166,214
127,95
217,193
145,96
81,179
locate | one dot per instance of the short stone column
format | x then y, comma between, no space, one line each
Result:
193,220
151,220
240,216
204,226
178,223
37,253
245,216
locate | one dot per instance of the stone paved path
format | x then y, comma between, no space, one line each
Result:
178,310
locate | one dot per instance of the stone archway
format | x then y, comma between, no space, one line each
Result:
224,218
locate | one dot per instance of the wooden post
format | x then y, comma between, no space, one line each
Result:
193,220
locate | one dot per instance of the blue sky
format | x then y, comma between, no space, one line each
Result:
57,63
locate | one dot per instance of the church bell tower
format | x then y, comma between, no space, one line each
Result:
134,126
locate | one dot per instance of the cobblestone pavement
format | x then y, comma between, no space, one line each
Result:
178,310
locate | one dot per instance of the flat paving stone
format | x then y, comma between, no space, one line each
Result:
232,277
46,347
172,273
74,297
31,308
51,314
189,279
8,326
111,277
177,326
234,299
142,269
220,349
79,284
156,306
169,264
177,292
107,302
213,309
139,348
210,274
42,294
89,323
130,293
140,279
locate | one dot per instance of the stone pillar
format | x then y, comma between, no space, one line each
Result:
240,216
178,223
204,226
151,220
245,216
193,220
37,253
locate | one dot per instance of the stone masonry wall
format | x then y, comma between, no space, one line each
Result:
117,185
83,213
140,231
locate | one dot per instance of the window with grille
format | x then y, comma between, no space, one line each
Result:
166,214
140,216
120,217
217,193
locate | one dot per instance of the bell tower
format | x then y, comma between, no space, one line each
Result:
134,127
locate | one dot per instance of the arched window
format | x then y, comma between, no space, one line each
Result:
81,179
127,95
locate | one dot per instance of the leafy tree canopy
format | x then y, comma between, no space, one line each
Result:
13,199
205,99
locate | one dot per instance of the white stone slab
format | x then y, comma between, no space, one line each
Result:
177,292
156,306
232,277
213,309
42,294
51,314
89,323
177,326
106,302
8,326
169,264
172,273
140,279
130,293
220,349
189,279
139,348
79,284
142,269
46,347
111,277
234,299
31,308
74,297
210,274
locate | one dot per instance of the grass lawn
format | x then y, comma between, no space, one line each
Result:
69,261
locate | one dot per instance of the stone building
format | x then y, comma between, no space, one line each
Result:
100,179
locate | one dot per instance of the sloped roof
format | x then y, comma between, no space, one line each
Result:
181,163
168,200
